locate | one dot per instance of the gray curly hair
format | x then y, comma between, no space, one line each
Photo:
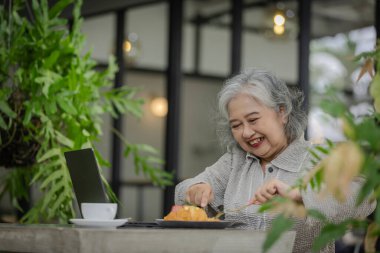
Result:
267,89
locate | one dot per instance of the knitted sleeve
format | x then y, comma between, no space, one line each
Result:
216,175
336,211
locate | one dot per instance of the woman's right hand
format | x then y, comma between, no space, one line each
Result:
200,194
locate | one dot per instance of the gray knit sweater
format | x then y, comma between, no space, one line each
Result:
237,174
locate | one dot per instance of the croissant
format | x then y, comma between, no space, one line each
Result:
188,213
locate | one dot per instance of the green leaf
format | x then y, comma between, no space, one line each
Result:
85,133
119,106
266,206
377,213
3,125
62,198
322,150
96,109
156,160
371,183
111,195
67,105
50,107
112,67
280,225
318,180
316,214
58,8
51,178
49,154
58,23
333,106
63,139
127,151
315,155
47,78
4,107
369,131
51,196
36,8
52,59
329,233
28,114
45,169
330,143
101,160
134,108
147,148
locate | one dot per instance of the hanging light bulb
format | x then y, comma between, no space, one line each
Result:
159,106
279,23
131,48
278,29
127,46
279,19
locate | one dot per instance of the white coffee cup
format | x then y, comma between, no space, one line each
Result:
99,211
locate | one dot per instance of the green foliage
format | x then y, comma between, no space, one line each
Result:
316,214
329,233
51,91
280,225
365,133
333,231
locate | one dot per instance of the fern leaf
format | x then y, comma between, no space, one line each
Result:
63,139
49,154
52,178
4,107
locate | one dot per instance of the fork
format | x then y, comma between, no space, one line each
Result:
220,213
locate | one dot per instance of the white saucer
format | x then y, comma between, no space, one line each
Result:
99,223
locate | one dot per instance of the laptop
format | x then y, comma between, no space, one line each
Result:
87,183
85,175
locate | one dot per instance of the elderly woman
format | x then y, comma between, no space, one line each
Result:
262,126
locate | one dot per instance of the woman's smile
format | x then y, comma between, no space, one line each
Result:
256,142
258,129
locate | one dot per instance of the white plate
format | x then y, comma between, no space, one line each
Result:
99,223
194,224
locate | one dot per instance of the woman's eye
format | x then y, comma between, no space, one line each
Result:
252,120
235,126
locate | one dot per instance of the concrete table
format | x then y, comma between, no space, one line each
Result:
56,238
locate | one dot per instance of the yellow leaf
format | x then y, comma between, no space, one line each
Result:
341,167
290,208
311,173
374,89
371,238
348,130
377,105
366,68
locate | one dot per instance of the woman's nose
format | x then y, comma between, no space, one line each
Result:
248,132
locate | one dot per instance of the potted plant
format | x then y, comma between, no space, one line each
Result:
51,101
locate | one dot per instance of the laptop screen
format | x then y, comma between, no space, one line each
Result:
84,172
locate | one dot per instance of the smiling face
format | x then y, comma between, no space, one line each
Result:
257,128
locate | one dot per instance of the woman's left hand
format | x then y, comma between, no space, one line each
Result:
273,187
